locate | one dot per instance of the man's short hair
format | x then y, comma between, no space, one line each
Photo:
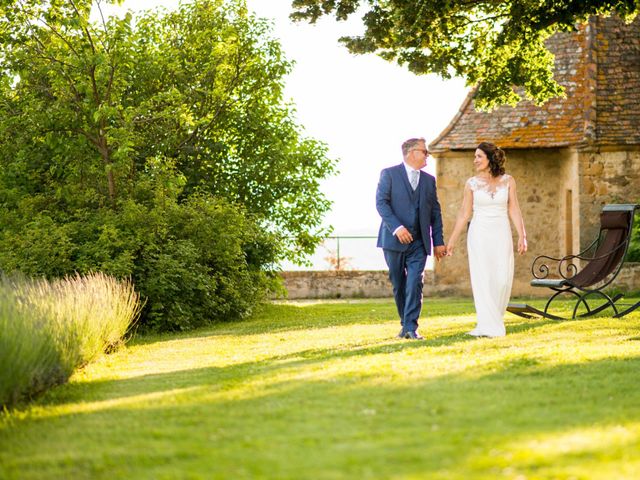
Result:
410,144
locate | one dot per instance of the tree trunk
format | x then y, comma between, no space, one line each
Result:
103,148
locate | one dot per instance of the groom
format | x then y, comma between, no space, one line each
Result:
407,201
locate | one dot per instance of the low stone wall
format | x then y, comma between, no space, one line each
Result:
629,279
353,284
375,284
337,284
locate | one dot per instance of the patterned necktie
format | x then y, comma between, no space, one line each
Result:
413,179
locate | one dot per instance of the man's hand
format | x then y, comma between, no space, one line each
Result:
440,251
404,236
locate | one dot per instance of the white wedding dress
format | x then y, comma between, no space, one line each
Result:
490,249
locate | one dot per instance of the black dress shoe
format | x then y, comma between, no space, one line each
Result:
413,336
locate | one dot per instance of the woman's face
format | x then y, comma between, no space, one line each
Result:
480,161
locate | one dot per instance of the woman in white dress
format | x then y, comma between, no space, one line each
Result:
490,196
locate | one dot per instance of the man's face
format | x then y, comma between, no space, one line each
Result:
417,157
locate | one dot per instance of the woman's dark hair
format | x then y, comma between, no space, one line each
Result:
496,158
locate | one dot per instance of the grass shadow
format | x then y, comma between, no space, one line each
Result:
343,427
278,317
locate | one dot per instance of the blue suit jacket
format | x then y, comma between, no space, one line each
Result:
394,204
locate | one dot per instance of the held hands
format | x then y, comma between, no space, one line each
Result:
405,237
449,252
440,252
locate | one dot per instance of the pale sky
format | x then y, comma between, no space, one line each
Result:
362,107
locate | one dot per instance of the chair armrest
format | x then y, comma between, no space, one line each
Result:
563,267
549,282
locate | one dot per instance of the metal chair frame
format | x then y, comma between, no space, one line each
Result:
568,271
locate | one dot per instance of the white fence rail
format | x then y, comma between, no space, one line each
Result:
346,252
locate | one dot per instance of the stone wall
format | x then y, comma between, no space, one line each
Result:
350,284
336,284
375,284
606,177
628,279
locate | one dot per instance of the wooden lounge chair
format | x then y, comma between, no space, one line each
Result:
597,272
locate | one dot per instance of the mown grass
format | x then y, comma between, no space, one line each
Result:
325,391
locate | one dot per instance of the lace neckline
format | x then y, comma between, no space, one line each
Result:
491,188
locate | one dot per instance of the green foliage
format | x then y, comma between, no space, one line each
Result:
192,259
495,45
633,254
159,148
197,261
48,329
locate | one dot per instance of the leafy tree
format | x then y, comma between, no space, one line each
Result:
495,44
158,147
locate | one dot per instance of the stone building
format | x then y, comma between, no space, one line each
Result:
569,157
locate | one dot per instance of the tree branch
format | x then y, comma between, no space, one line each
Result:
50,27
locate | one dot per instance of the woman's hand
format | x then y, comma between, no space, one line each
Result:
522,246
449,250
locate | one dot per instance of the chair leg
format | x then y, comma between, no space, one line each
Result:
521,314
558,291
520,309
553,297
524,310
547,315
604,306
609,303
628,310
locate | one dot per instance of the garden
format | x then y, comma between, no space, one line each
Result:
325,390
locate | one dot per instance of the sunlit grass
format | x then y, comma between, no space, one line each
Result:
325,390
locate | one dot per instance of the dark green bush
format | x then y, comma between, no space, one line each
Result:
194,267
193,259
633,254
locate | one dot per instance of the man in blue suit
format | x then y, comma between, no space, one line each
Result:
407,201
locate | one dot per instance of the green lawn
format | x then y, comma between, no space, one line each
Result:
326,391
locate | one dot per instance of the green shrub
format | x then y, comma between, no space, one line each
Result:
633,254
48,329
193,260
195,268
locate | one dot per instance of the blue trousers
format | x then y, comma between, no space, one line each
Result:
406,272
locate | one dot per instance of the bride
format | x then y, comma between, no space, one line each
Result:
490,197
